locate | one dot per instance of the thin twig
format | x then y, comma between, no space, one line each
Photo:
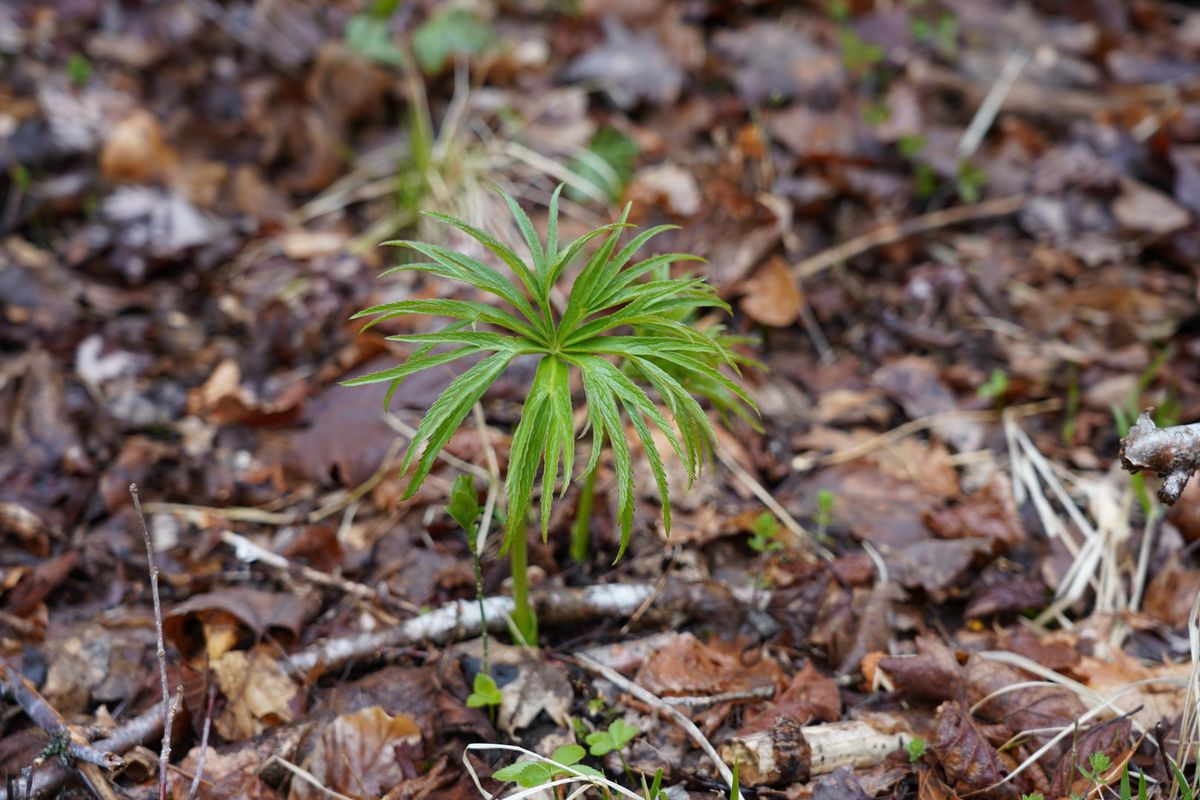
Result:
138,731
208,712
46,717
892,232
250,552
650,699
164,757
702,702
986,114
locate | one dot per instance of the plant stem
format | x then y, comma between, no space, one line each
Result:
482,610
522,613
583,519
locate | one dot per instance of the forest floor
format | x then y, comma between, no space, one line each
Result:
961,235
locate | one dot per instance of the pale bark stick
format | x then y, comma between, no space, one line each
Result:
1171,453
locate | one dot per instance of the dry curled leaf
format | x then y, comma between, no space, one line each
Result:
361,755
970,762
258,694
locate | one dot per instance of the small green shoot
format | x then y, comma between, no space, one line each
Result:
618,735
1071,409
825,502
970,182
875,114
995,387
916,749
1033,796
654,791
735,785
369,35
485,693
765,538
910,145
531,774
858,55
79,69
448,33
1098,764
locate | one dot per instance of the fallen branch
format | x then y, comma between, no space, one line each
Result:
556,606
138,731
73,743
892,232
789,753
1171,453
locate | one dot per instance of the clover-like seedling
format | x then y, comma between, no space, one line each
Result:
484,692
529,774
618,735
617,309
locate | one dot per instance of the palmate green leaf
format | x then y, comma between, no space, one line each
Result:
625,331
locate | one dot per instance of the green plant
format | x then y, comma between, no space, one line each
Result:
618,735
464,509
584,337
765,536
449,32
485,694
970,182
995,387
825,502
368,35
916,749
563,761
79,69
735,786
1033,796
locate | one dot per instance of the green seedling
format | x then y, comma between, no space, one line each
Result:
825,502
485,694
970,182
79,69
531,774
1098,764
449,32
618,735
369,36
1033,796
995,387
916,749
611,294
765,537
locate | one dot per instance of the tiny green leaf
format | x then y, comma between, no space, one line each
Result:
485,692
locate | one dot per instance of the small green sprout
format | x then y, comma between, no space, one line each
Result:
858,54
970,182
1098,764
910,145
464,509
995,387
531,774
79,69
618,735
765,538
825,502
916,749
1033,796
485,693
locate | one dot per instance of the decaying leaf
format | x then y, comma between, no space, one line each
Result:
258,694
361,755
970,762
